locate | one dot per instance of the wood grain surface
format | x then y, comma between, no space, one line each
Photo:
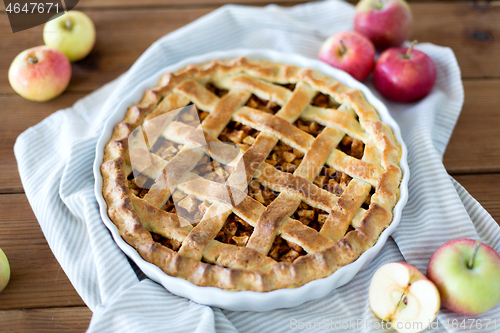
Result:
37,279
40,297
53,320
475,144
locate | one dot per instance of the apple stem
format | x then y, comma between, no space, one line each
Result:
32,60
408,53
343,49
380,5
476,248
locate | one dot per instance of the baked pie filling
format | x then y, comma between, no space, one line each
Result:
247,175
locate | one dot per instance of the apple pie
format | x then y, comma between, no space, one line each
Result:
250,175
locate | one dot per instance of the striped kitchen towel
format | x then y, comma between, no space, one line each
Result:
55,160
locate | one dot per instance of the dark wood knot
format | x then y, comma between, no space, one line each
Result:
482,36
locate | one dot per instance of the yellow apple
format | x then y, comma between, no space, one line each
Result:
72,33
4,270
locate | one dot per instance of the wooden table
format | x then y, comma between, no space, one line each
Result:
40,298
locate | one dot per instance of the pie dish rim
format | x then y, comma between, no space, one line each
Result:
250,300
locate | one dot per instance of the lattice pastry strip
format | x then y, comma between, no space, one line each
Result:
301,242
336,119
195,142
302,141
262,89
168,225
250,210
264,142
298,100
194,253
287,202
344,210
286,123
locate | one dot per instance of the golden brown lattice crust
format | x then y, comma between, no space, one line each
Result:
326,170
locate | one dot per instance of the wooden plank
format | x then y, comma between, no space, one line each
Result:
485,189
53,320
475,144
469,28
124,34
37,279
17,115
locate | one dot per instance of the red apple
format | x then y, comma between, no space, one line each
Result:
467,274
404,74
403,296
350,52
385,22
40,73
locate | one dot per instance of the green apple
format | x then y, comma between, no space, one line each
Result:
4,270
467,274
404,297
72,33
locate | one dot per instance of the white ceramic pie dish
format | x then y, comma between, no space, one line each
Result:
250,300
